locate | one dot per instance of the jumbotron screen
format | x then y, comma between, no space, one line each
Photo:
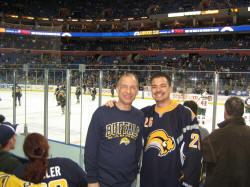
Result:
131,34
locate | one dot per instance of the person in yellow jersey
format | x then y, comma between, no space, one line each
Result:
8,180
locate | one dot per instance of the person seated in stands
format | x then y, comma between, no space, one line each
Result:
41,168
7,142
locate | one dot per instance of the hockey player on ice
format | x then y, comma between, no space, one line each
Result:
62,98
247,110
78,93
93,93
57,90
202,103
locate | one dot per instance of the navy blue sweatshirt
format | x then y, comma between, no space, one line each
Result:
113,146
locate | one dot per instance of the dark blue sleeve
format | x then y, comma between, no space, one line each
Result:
79,174
191,150
139,142
91,148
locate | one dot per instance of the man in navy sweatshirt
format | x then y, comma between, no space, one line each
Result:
114,140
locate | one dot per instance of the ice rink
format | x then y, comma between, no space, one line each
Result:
56,120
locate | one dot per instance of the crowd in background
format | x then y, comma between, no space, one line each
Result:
229,41
22,46
102,8
21,53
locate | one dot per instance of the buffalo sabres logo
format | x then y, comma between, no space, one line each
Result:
125,140
160,140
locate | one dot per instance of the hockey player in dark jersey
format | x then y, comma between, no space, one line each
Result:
247,110
84,88
112,90
18,93
62,98
93,93
49,171
114,139
57,90
78,93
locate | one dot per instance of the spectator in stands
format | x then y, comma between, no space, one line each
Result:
57,171
226,151
7,142
194,107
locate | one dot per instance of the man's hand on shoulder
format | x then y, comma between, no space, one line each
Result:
110,103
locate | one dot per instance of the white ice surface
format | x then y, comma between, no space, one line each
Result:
56,120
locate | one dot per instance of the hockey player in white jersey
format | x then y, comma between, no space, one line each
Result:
247,111
202,103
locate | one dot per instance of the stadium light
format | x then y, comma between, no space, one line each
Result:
180,14
28,17
44,19
234,10
171,15
14,16
11,16
58,19
206,12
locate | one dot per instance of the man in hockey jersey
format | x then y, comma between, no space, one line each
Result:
84,88
78,93
202,107
114,139
93,93
62,98
18,93
194,107
49,171
112,90
247,110
171,153
57,90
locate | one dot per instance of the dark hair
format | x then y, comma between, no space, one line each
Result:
4,144
2,118
234,106
36,148
192,105
162,74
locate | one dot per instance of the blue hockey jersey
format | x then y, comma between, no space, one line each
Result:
171,154
61,172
